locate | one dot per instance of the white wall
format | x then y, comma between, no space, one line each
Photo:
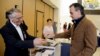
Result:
64,12
57,18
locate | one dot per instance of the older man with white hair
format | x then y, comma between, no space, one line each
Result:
17,40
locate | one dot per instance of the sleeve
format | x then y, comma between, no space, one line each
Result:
90,41
10,39
64,34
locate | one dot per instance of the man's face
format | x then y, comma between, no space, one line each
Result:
73,13
17,19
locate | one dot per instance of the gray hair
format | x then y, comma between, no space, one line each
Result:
10,12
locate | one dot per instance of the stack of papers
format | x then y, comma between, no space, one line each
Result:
46,47
52,42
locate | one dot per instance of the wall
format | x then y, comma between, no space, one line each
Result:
95,19
65,13
5,5
57,19
29,15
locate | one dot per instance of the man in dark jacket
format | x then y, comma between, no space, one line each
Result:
17,40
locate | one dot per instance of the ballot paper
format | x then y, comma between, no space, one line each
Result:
52,42
46,47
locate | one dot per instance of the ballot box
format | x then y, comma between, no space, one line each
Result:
65,49
45,51
55,49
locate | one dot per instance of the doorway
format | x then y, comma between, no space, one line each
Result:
39,23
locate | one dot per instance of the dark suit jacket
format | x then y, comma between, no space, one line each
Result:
83,38
13,43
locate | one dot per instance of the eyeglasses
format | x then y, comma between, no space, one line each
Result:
19,17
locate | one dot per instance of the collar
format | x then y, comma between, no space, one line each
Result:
14,24
76,21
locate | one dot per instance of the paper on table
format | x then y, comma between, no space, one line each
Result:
46,47
52,42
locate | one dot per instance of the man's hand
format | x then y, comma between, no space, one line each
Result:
39,41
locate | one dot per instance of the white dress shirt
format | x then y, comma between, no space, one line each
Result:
18,30
48,31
